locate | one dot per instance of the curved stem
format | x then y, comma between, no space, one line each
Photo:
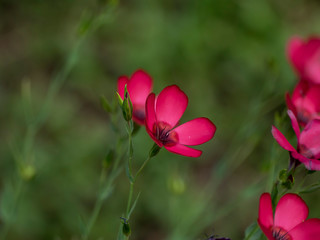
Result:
130,147
17,196
142,167
94,215
43,115
104,191
129,199
154,150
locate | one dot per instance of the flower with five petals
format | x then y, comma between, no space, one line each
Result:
162,115
289,220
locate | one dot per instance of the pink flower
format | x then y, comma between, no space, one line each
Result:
305,102
162,115
308,147
139,86
305,57
289,221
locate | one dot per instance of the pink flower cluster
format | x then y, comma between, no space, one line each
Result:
289,219
304,103
161,114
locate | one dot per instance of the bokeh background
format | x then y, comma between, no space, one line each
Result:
58,57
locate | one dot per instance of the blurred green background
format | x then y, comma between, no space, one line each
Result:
58,57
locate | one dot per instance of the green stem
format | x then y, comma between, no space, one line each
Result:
154,151
94,216
129,199
142,167
41,118
17,196
130,147
103,193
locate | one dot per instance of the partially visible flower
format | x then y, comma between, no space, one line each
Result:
289,220
305,102
139,86
308,147
162,115
305,58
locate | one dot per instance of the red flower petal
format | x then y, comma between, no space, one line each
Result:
291,210
139,87
283,142
265,218
308,230
150,112
196,131
302,54
313,68
266,231
294,123
310,140
300,90
290,104
294,46
313,98
184,150
309,163
305,102
122,81
171,104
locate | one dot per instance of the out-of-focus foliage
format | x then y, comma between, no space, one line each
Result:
229,58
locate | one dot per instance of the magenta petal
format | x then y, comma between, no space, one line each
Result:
310,140
302,54
309,163
171,104
308,230
313,69
122,81
293,49
265,218
290,104
313,99
291,210
139,87
294,123
196,131
150,112
266,231
283,142
184,150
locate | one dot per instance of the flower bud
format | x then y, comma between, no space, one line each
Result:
154,150
126,230
120,101
283,175
286,179
127,105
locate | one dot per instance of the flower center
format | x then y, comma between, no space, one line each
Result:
164,133
280,234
